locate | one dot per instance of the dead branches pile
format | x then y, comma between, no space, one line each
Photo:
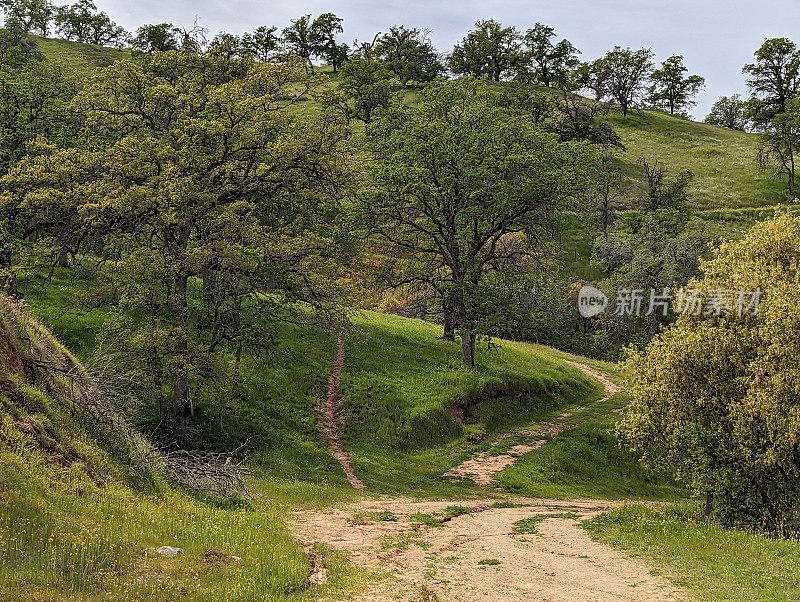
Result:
217,474
211,473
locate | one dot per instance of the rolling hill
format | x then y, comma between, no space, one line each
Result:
81,520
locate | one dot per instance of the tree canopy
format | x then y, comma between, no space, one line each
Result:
544,62
466,188
489,50
714,396
192,174
672,89
728,112
773,79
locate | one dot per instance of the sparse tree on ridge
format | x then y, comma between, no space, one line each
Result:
728,112
34,16
82,22
262,43
780,145
544,62
323,40
673,90
622,75
490,50
774,79
228,46
297,39
156,38
409,54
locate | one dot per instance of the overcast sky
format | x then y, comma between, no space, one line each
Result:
716,37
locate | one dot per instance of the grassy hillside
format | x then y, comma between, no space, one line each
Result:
76,522
399,384
723,161
81,59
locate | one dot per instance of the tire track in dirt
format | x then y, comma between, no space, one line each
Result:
483,466
330,425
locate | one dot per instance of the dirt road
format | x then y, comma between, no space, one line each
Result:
525,549
486,554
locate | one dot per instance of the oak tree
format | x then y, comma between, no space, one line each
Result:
464,187
672,89
209,197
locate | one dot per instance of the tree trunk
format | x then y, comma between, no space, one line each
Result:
236,365
449,322
180,389
209,282
709,505
63,258
468,348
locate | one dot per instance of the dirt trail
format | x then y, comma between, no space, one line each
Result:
557,562
482,467
330,426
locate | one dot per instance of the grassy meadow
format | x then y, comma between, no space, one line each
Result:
80,59
726,174
711,562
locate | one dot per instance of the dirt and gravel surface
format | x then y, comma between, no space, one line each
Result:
330,423
557,562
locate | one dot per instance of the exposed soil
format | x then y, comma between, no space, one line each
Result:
483,466
610,387
557,562
330,425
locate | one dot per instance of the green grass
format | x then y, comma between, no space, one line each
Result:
80,59
275,413
429,520
398,384
712,563
77,523
723,161
363,518
587,461
528,526
729,190
400,380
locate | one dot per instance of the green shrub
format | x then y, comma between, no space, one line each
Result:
715,399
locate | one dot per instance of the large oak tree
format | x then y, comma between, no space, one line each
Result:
462,187
195,176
